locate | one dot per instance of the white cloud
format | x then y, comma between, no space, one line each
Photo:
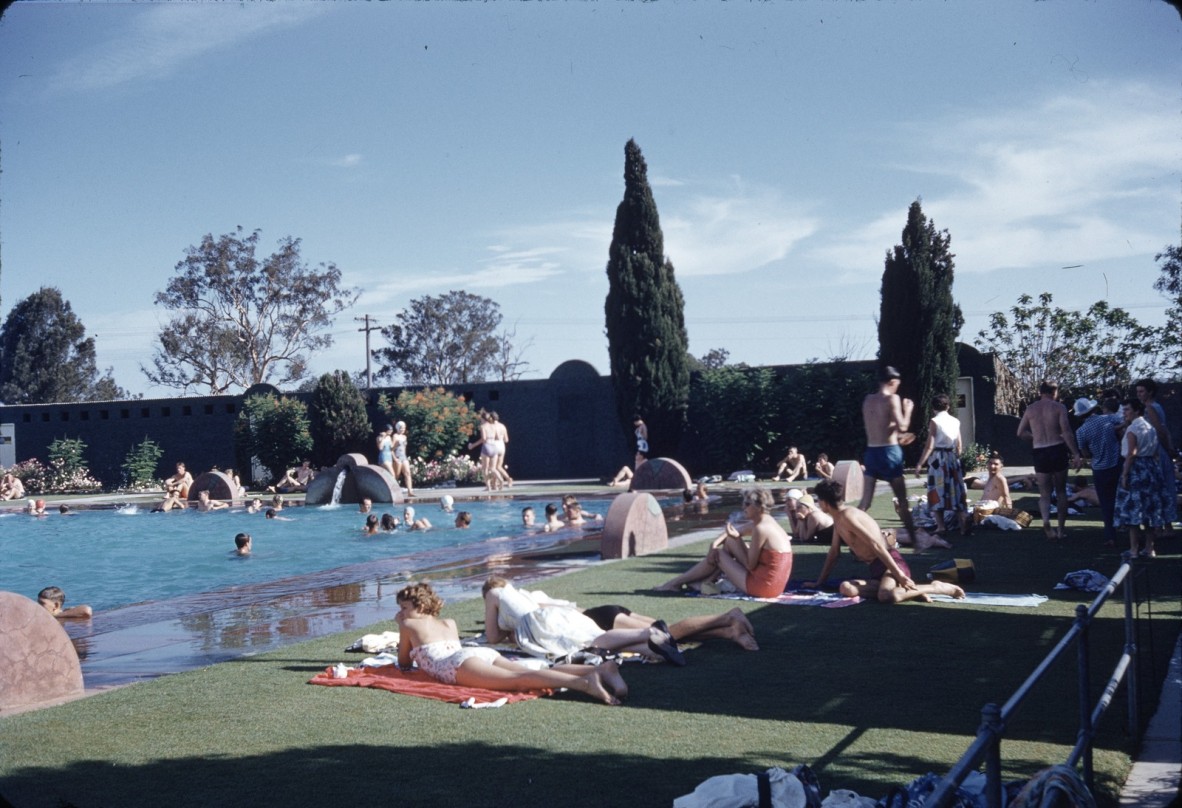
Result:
162,38
1065,180
348,161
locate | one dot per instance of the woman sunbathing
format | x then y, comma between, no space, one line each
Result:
433,643
546,627
759,569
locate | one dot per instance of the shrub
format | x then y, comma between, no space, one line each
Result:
338,422
459,468
273,430
33,474
974,456
439,425
67,472
139,466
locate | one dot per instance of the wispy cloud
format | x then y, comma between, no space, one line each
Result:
348,161
163,38
1062,180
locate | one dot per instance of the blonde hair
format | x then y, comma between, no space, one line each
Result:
758,496
493,582
422,597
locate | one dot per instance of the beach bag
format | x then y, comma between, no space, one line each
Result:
1019,516
954,571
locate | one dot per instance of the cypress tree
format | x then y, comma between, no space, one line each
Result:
919,321
644,315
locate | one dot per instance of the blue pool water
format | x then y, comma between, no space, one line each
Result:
110,559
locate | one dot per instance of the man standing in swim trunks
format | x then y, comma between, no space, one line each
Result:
886,417
890,579
1045,423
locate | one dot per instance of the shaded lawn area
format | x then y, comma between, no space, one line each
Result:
869,696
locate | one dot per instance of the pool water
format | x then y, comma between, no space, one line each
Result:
110,559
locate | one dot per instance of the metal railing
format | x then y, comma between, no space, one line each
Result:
986,748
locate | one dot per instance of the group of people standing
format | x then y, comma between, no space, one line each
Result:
394,456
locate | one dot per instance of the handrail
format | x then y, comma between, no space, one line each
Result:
986,747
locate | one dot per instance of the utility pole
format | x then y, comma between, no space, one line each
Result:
370,325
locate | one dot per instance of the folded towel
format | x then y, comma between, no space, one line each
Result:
986,599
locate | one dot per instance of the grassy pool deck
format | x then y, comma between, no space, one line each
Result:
869,696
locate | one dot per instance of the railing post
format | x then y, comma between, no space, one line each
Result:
1085,709
1131,649
991,722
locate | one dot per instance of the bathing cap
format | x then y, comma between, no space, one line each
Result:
446,501
400,425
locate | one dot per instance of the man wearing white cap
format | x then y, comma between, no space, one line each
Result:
1098,440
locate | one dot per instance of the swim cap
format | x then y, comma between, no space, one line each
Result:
446,501
401,425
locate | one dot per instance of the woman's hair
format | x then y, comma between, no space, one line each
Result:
422,597
758,496
464,517
1135,404
371,521
493,582
388,521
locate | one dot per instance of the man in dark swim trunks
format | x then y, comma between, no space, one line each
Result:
886,417
1045,423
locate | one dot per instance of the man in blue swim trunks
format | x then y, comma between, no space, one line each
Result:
886,417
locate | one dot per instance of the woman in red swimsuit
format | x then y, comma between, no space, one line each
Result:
759,568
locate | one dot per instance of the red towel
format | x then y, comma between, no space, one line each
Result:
417,683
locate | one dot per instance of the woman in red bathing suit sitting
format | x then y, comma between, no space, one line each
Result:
759,568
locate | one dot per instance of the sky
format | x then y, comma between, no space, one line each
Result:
426,147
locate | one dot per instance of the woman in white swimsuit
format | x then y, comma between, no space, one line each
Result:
433,643
401,461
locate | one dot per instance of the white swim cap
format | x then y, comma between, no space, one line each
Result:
446,501
401,425
794,493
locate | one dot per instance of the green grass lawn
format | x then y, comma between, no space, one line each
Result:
869,696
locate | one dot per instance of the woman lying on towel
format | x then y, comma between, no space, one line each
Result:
433,643
759,569
545,627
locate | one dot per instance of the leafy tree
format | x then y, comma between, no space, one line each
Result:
139,466
338,421
46,357
715,358
275,431
919,321
644,315
438,424
241,320
1085,352
449,339
1170,285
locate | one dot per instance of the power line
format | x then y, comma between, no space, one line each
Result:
367,328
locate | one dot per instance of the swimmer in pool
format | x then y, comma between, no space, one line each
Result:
411,523
53,599
242,544
527,517
463,520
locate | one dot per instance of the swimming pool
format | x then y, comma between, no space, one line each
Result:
111,559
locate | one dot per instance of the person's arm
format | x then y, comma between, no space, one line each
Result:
82,612
927,448
903,408
1024,431
404,645
1004,500
492,628
830,561
1069,437
1130,456
1163,434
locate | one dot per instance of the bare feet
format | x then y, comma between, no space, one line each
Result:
595,687
945,588
667,587
740,617
926,541
737,635
609,674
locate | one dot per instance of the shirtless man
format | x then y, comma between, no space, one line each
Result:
1045,423
295,480
205,504
792,467
179,482
890,579
886,417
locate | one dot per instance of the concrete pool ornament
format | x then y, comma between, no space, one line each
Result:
352,479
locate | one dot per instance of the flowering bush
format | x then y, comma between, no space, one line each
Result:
56,478
439,425
974,456
452,467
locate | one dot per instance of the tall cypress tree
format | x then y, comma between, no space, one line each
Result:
919,321
644,314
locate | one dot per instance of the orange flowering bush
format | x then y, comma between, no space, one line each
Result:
439,424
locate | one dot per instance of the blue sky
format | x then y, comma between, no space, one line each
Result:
424,147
